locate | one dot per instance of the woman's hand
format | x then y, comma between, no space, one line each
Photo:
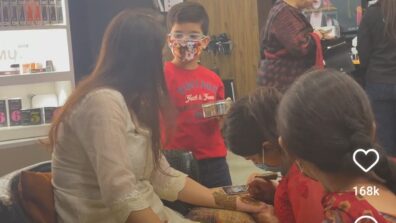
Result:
266,216
252,177
262,190
319,33
324,34
248,204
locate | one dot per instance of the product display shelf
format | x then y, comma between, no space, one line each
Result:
33,27
22,79
9,134
27,44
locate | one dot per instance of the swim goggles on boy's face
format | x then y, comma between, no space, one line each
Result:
187,36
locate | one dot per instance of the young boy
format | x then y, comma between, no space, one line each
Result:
191,85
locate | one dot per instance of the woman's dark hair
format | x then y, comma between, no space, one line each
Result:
188,12
130,61
251,121
324,118
388,8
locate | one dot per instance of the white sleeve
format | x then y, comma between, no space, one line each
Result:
101,126
167,182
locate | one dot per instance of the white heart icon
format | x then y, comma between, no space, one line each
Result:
366,217
365,153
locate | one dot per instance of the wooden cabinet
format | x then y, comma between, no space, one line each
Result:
242,21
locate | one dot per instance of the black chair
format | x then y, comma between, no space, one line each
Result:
10,208
185,162
12,212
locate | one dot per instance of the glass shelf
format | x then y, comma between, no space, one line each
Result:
23,132
21,79
33,27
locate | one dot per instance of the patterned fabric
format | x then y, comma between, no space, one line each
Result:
347,208
207,215
289,50
298,199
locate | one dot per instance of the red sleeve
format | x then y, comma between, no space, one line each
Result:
305,197
319,53
292,33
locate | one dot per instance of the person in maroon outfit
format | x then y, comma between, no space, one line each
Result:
289,44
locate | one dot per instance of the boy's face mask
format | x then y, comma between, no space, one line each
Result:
186,47
186,51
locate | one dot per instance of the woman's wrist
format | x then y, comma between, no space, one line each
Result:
237,203
248,204
225,201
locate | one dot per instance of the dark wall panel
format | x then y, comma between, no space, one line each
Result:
88,20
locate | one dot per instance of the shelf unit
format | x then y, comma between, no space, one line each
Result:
5,145
38,43
8,134
23,79
34,27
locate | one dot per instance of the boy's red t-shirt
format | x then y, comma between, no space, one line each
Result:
188,90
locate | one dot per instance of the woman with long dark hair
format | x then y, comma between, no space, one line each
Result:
377,51
323,119
107,165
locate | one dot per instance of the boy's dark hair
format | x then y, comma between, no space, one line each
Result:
188,12
324,117
251,121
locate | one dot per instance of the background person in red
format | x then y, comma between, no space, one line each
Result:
191,85
250,131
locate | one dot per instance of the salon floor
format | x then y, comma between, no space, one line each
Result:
240,169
